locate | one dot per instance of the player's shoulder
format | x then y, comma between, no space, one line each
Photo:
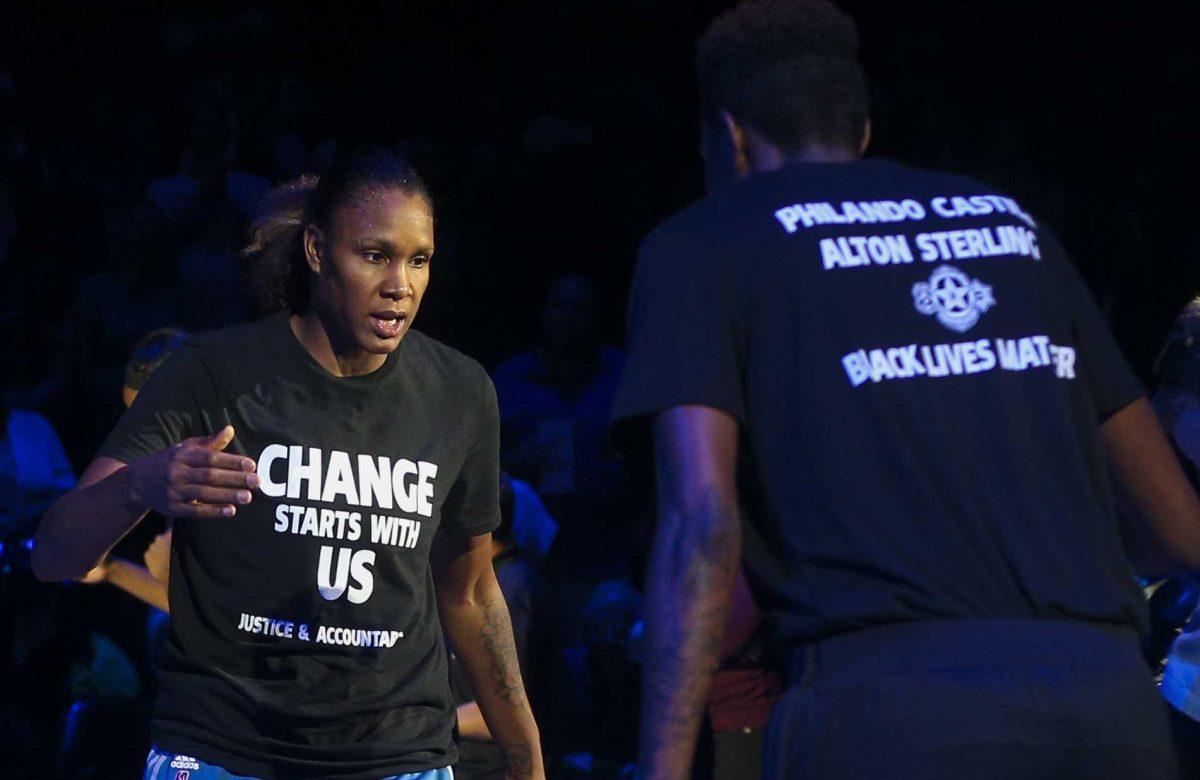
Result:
750,206
239,338
443,362
947,188
686,236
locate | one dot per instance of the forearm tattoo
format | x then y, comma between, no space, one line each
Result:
518,760
503,665
688,611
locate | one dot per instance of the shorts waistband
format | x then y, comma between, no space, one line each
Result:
930,645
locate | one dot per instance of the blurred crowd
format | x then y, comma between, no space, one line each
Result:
133,151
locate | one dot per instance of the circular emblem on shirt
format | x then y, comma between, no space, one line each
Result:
954,298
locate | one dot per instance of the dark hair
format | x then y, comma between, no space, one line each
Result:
787,68
150,353
279,272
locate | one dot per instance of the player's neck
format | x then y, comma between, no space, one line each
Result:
763,158
337,356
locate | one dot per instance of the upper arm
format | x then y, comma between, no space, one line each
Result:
1150,476
686,335
458,563
696,459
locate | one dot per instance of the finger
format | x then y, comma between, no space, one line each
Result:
223,436
198,456
213,511
217,477
219,440
210,495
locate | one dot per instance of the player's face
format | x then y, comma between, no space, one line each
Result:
372,268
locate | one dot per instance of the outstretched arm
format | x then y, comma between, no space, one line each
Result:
475,619
194,478
694,560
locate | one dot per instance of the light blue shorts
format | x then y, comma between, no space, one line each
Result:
161,765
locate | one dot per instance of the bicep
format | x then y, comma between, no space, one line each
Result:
458,562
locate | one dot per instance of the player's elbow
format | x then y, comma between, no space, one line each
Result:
49,559
47,566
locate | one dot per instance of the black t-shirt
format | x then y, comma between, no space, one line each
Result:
918,373
304,633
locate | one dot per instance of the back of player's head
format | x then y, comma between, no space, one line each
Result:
787,68
150,353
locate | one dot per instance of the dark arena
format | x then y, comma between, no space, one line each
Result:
680,390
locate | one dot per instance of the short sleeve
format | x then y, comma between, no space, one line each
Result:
685,343
1110,381
472,506
167,410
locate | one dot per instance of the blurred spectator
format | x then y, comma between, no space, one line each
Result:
111,310
609,673
533,528
147,583
207,163
1177,402
102,684
554,401
34,470
211,294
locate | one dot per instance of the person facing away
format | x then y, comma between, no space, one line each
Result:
1177,401
902,378
332,475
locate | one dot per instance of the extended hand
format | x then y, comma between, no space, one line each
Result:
195,478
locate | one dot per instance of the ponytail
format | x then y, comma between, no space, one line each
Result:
278,272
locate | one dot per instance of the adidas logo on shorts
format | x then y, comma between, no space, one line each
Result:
184,762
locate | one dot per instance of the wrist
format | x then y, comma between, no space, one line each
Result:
131,480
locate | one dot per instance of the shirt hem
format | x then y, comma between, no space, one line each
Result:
270,770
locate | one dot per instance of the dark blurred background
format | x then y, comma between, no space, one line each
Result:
554,135
135,140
